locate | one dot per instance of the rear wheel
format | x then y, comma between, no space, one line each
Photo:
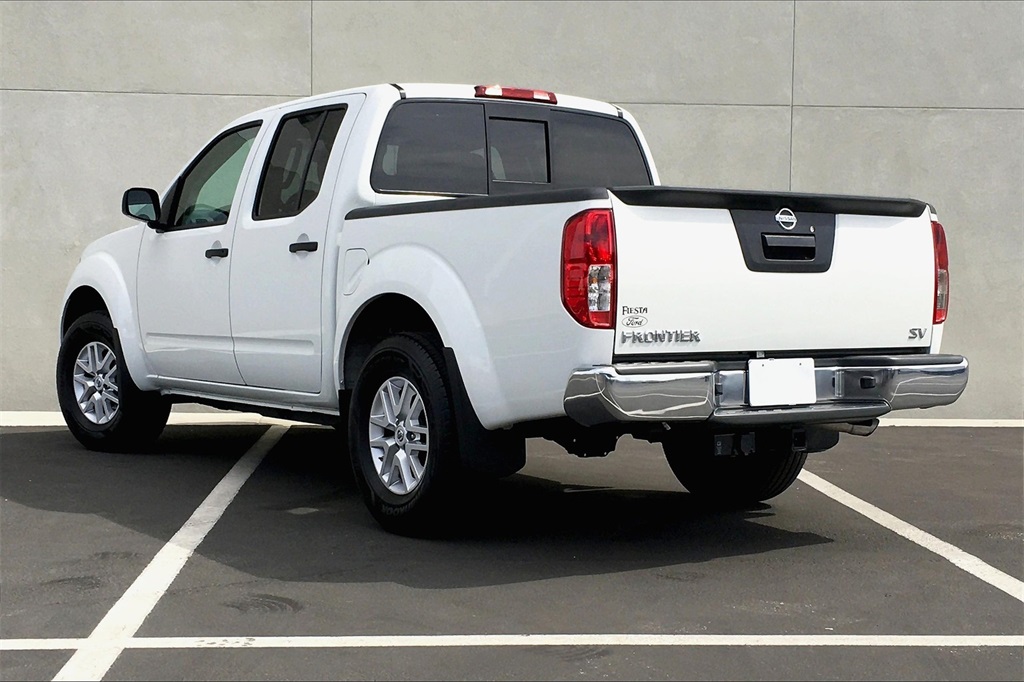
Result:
402,438
740,479
102,406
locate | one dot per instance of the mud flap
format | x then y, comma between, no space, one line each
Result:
492,453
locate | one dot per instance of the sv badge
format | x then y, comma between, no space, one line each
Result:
916,333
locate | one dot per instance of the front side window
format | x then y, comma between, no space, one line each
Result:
432,147
207,188
296,163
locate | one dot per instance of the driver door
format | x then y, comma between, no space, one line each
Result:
182,285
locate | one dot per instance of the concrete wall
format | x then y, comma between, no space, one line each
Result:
902,99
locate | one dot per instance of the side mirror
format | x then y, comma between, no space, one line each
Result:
141,203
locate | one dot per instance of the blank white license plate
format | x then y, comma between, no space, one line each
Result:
781,382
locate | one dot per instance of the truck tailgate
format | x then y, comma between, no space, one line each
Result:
702,273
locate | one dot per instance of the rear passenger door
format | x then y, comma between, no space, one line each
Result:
277,303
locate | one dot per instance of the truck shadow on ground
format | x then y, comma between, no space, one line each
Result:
300,516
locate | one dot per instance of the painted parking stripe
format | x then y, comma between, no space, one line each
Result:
959,558
18,418
98,652
386,641
14,418
446,641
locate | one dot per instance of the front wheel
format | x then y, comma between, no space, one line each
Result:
102,406
740,479
402,438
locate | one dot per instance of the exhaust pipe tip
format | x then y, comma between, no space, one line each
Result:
864,428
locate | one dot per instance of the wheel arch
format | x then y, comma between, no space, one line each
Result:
100,284
380,317
385,315
82,300
422,282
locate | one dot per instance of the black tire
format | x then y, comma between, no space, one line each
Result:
739,480
138,417
412,505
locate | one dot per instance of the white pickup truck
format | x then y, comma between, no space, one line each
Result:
445,270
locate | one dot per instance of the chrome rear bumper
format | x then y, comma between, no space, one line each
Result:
847,389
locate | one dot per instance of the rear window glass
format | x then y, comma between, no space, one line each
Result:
433,147
440,148
595,151
519,150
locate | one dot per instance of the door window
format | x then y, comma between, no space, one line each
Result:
295,165
207,188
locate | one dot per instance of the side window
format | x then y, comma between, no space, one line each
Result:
208,186
432,147
320,156
295,165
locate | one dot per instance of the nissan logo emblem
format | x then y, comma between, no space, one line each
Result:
786,219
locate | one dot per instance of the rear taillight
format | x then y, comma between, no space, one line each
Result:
941,273
588,268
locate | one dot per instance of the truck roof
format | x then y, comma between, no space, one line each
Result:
440,90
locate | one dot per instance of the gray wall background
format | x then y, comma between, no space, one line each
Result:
920,99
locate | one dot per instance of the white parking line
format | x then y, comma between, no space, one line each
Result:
573,640
443,641
955,423
30,418
959,558
98,652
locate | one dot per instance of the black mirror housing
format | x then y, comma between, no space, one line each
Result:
141,203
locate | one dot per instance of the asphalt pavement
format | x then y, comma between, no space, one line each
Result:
608,564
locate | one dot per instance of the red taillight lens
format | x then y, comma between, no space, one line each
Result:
588,268
941,273
526,94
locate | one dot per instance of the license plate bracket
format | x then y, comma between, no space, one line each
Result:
779,382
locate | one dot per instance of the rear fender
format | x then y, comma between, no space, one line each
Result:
425,278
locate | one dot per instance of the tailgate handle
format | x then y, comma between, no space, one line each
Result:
788,246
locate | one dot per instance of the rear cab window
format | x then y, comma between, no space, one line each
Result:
484,148
432,148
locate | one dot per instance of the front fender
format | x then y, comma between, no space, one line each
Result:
426,278
111,273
